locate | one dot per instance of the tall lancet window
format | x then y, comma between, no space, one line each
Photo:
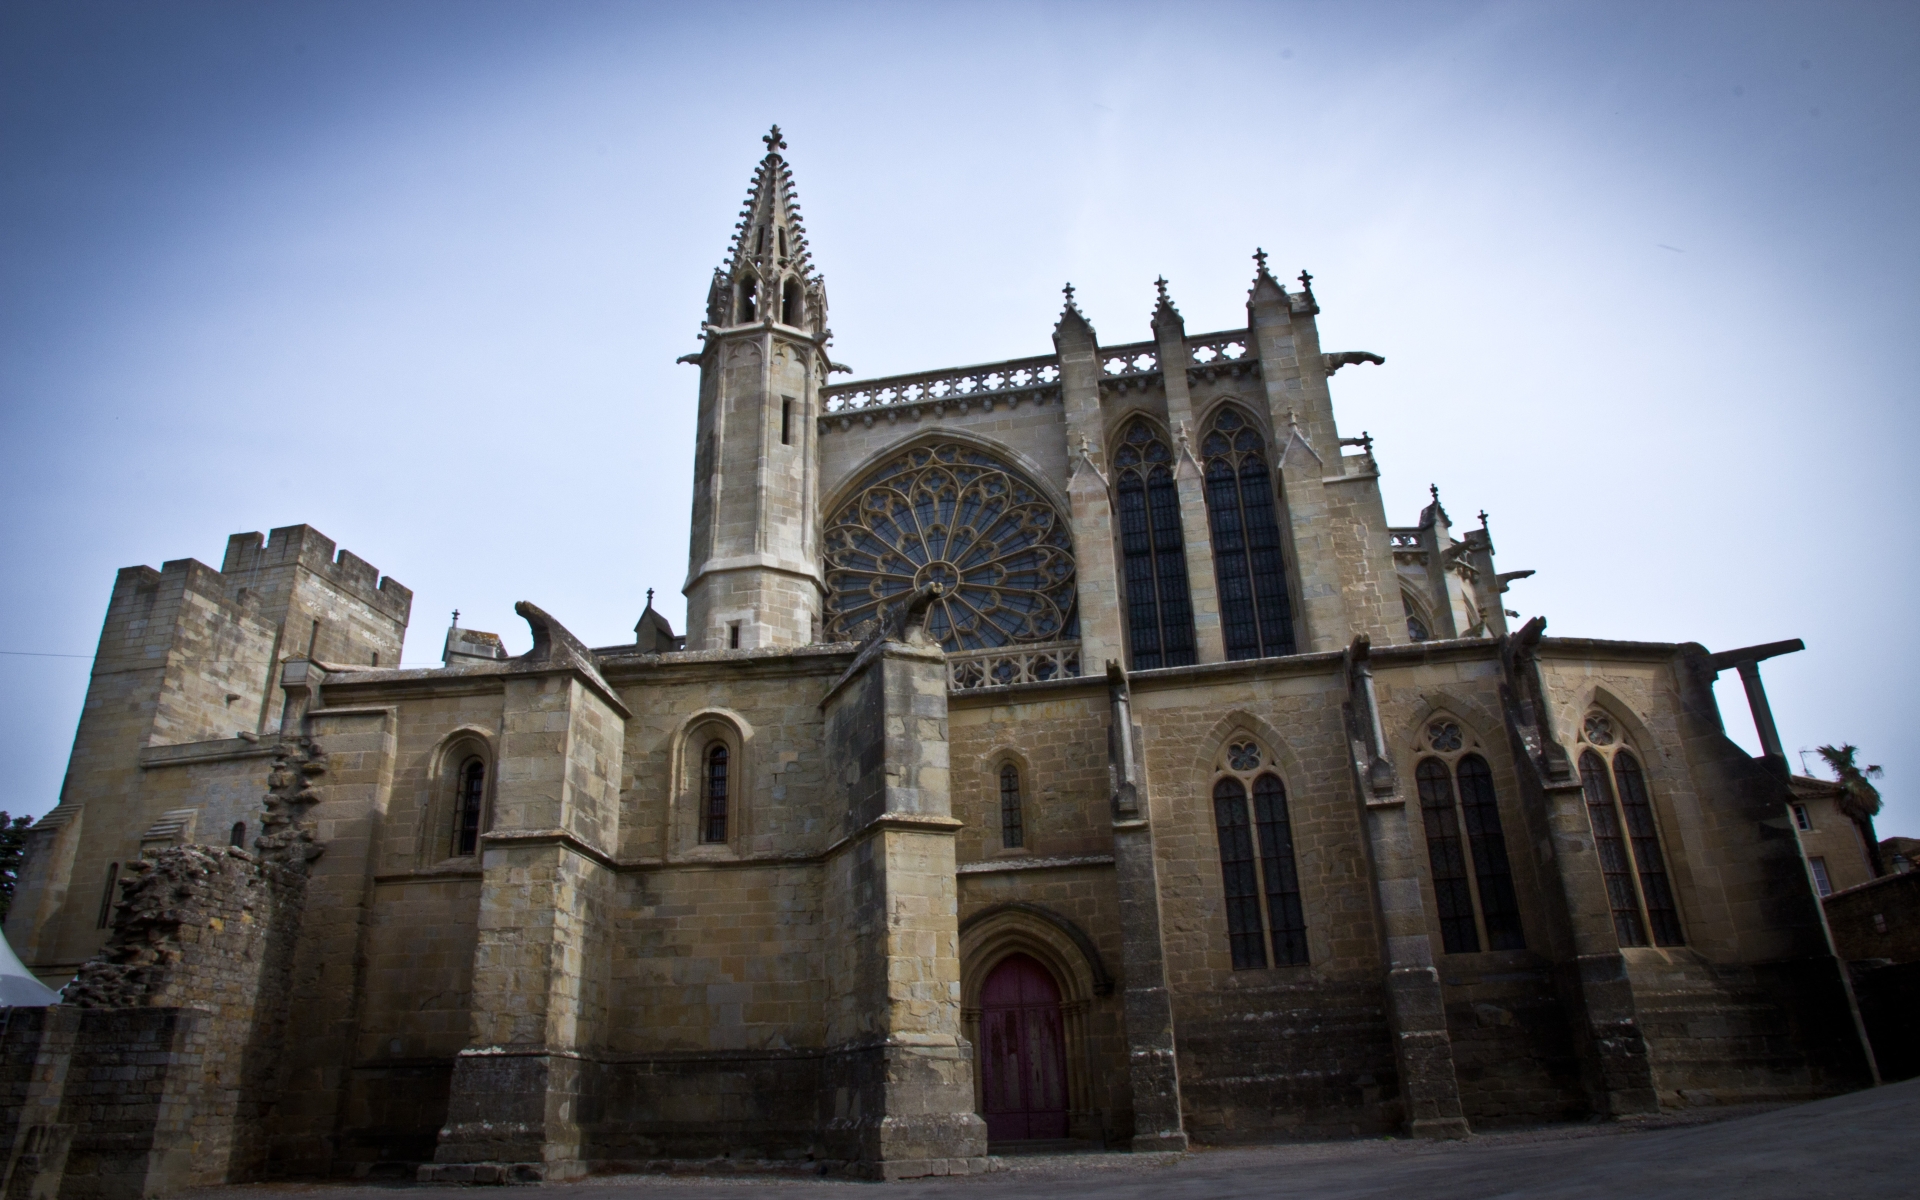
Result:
1159,612
1255,614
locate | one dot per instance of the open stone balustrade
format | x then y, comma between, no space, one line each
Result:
1002,666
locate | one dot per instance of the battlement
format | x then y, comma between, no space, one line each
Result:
305,546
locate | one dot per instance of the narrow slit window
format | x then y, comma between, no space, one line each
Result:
1012,827
748,298
1282,880
1238,880
1607,843
790,302
237,836
106,897
472,798
715,825
733,636
786,420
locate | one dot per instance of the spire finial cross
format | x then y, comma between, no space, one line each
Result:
775,143
1483,518
1161,284
1068,292
649,597
1306,280
456,618
1260,258
1433,489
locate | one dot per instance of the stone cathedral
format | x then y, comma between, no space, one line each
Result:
1066,749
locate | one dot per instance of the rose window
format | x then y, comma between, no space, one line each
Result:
958,517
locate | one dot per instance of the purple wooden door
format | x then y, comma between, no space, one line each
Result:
1023,1058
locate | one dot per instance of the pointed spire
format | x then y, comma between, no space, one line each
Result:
1165,315
1266,289
1306,289
769,252
1072,321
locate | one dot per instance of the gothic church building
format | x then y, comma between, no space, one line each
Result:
1066,748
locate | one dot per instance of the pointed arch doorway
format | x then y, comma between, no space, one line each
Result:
1023,1056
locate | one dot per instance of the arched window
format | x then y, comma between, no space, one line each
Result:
470,800
237,836
1476,905
749,295
1417,630
714,806
953,515
1255,614
1633,866
1012,827
790,297
1159,612
1261,887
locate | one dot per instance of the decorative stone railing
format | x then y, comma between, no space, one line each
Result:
1213,354
1404,539
1006,665
1141,358
1015,379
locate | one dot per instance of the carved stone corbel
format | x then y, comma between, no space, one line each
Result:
1525,699
1373,769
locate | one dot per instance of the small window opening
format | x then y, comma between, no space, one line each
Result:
716,814
106,898
1818,865
1801,818
473,791
748,295
760,240
790,303
1012,830
238,836
783,243
376,658
733,636
786,420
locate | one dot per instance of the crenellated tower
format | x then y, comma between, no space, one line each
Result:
753,564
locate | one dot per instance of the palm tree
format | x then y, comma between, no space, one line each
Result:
1859,800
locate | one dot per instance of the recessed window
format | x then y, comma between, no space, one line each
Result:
791,306
1466,847
733,636
1627,838
1802,819
1159,609
748,306
237,836
1258,878
1255,615
786,420
106,897
1012,827
714,822
469,801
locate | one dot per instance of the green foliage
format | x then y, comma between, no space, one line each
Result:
1860,799
13,844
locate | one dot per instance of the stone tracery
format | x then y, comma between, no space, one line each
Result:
955,516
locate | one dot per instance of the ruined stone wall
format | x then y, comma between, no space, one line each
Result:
163,1076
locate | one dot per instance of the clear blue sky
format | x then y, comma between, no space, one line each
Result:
416,274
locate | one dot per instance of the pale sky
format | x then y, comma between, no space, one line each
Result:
416,274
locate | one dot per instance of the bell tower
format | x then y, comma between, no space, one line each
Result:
753,562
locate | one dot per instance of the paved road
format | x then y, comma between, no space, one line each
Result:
1862,1147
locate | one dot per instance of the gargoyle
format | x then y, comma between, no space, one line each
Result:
1346,358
